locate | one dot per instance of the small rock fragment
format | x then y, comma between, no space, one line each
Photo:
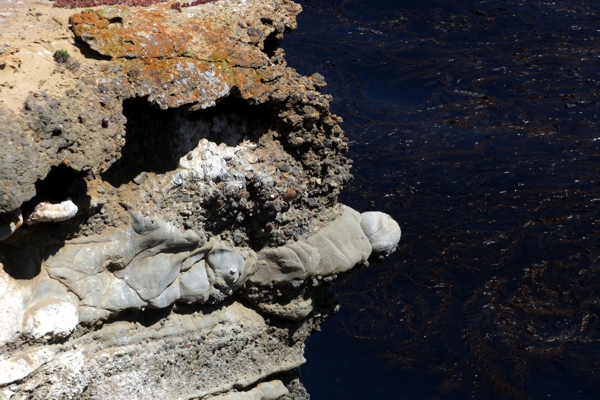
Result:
284,167
290,195
48,212
141,178
269,227
177,179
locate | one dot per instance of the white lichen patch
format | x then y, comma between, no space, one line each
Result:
224,168
52,317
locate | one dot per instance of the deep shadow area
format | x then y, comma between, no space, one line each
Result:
271,44
23,253
87,51
60,184
157,139
151,316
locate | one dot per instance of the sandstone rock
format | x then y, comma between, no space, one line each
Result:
295,310
227,266
142,265
18,367
217,350
52,317
170,295
102,291
21,163
13,298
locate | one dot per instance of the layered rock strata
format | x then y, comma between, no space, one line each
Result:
168,211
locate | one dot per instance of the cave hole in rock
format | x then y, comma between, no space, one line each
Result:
156,139
23,254
88,52
60,184
271,44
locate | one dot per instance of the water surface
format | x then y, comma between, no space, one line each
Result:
475,124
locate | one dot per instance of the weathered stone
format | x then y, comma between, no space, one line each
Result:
381,229
333,250
187,61
217,351
16,368
173,128
295,310
53,317
168,296
141,178
141,265
227,265
194,285
21,161
48,212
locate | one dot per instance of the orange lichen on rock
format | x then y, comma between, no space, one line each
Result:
176,59
96,3
173,82
132,3
111,32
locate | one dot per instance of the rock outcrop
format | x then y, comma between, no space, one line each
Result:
168,207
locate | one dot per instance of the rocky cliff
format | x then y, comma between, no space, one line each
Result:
168,202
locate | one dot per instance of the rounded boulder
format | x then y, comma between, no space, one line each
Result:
382,231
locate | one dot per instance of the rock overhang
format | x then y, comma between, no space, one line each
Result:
197,57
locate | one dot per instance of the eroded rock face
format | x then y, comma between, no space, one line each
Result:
191,355
184,167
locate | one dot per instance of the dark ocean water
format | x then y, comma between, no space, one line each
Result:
475,124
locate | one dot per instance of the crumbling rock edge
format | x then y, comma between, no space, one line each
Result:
168,216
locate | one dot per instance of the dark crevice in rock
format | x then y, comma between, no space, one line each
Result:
271,44
291,379
88,52
151,316
23,253
61,183
145,318
116,20
157,139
